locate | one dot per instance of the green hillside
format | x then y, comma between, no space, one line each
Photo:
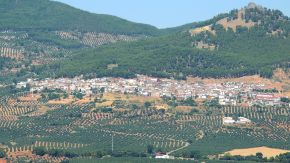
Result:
67,42
40,32
50,15
218,52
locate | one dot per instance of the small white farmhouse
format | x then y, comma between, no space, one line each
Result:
228,120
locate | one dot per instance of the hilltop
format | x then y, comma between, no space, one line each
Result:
249,41
54,39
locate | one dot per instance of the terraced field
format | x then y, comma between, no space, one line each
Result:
93,39
139,160
80,129
33,48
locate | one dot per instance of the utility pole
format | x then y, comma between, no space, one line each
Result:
112,143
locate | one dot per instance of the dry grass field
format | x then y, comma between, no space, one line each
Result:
201,29
185,109
29,97
142,99
84,100
266,151
161,106
104,104
130,98
66,101
16,154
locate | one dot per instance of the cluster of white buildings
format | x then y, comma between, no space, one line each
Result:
229,93
267,99
239,120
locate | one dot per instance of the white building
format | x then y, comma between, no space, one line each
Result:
21,85
228,120
163,156
243,120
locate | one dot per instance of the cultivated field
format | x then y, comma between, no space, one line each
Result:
143,160
27,123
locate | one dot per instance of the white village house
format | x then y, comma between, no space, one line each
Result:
240,120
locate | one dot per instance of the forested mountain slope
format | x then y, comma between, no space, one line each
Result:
51,15
40,32
252,40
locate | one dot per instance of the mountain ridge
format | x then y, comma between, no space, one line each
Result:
245,50
52,15
219,50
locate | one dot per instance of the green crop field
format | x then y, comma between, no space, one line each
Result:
139,160
78,129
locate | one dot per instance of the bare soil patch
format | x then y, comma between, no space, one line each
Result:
84,100
68,100
201,29
237,22
29,97
185,109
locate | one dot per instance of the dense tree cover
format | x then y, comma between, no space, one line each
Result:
104,110
212,103
245,52
173,56
150,149
50,38
193,25
147,104
11,89
285,99
4,62
56,94
101,154
282,157
78,95
270,20
192,154
173,101
188,102
51,15
2,153
53,96
39,151
53,152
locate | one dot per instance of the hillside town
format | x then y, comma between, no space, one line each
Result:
229,93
